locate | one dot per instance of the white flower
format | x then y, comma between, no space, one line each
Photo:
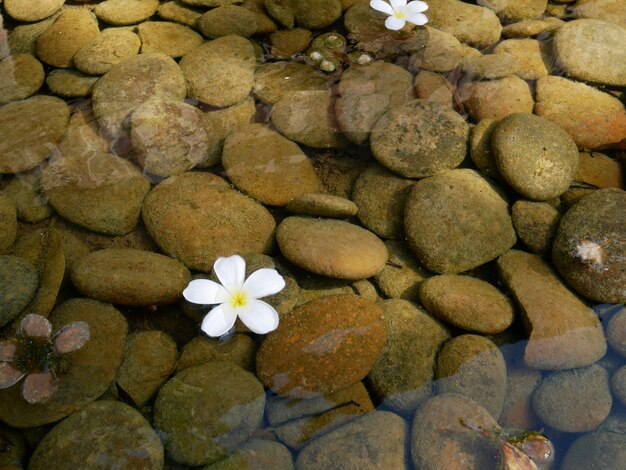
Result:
237,297
400,12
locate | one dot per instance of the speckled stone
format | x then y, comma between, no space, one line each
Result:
599,170
605,450
8,223
18,283
480,148
70,83
333,248
24,191
31,11
528,28
239,349
274,79
322,205
616,333
517,409
227,20
322,346
21,75
110,47
496,98
443,52
125,12
435,87
606,10
490,66
533,57
535,224
178,12
286,43
172,39
618,384
311,14
403,274
259,454
516,10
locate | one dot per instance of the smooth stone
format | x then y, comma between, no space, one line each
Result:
239,349
515,10
322,346
471,24
8,223
419,139
172,39
618,384
456,221
605,450
533,57
605,10
431,86
616,333
58,44
79,385
289,42
23,38
591,117
517,410
275,79
30,129
468,303
443,52
536,157
104,429
449,421
209,3
109,48
18,283
380,196
21,75
29,11
564,332
311,14
473,366
101,192
575,400
587,50
220,72
73,249
308,118
227,20
70,83
599,170
480,148
589,246
81,139
332,248
130,277
379,437
529,28
178,12
263,164
490,66
403,274
231,401
496,98
259,454
197,217
126,12
322,205
169,137
366,93
149,359
403,376
535,224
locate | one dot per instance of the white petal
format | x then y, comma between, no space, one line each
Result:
263,282
394,23
397,5
380,5
219,320
417,18
416,6
36,325
230,271
206,292
260,317
39,387
9,375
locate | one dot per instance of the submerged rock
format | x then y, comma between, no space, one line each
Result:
18,284
606,450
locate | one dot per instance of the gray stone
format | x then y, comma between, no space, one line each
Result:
616,332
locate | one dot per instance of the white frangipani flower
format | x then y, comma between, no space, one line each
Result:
237,297
400,12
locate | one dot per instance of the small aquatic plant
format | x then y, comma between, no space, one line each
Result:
38,356
237,297
400,12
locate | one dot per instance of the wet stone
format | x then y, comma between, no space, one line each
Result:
8,223
576,400
171,39
618,384
232,402
491,66
70,83
496,98
29,11
23,39
125,12
516,10
480,148
431,86
322,346
104,429
403,274
18,282
606,450
311,14
443,52
322,205
227,20
290,42
259,454
332,248
239,350
599,170
616,333
517,409
178,12
528,28
419,139
468,303
535,224
275,79
456,221
532,56
470,24
110,47
605,10
21,75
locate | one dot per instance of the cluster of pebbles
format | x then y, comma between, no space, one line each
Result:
445,217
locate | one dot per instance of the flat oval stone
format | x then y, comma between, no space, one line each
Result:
260,454
333,248
456,221
8,223
468,303
535,224
104,428
70,83
616,333
172,39
178,12
101,192
496,98
470,24
32,11
605,450
226,20
420,139
30,128
239,349
322,346
109,48
124,12
220,72
21,75
268,167
529,54
274,79
322,205
18,282
197,217
130,277
231,401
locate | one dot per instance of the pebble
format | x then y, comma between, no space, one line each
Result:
605,10
480,148
322,346
535,224
443,52
404,373
126,12
332,248
517,410
591,117
220,72
266,166
24,191
516,11
21,75
379,436
590,245
599,170
496,98
289,42
471,24
468,303
529,28
456,221
491,66
172,39
618,384
311,14
564,332
178,12
197,217
30,127
434,87
533,56
322,205
23,39
239,349
8,223
231,401
228,20
616,333
403,274
31,12
109,48
605,450
275,79
18,283
576,400
259,454
107,430
79,385
101,192
70,83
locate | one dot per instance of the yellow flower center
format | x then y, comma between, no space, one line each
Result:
239,299
399,14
